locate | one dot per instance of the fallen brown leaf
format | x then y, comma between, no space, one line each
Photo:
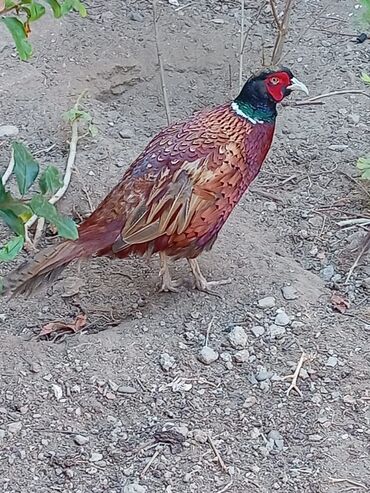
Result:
57,327
339,303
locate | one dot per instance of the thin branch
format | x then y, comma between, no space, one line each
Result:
66,180
217,454
208,330
241,46
330,94
365,248
282,30
349,481
160,62
9,169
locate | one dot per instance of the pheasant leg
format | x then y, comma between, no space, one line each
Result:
201,282
167,285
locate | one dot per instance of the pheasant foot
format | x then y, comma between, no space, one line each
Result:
167,284
201,282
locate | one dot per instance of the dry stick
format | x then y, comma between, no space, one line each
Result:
9,169
330,94
150,462
350,222
349,481
241,46
226,487
66,180
208,330
364,249
160,62
217,454
282,27
295,376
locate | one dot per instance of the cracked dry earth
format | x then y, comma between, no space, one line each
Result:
127,405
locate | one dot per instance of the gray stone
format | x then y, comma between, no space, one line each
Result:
338,147
126,132
258,330
238,337
276,331
207,355
241,356
81,440
15,427
134,488
289,293
263,375
135,16
8,131
332,361
166,361
96,457
2,434
200,436
327,273
268,302
282,319
126,389
366,283
353,118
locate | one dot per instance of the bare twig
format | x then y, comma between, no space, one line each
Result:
349,481
150,462
282,27
217,454
226,487
365,247
294,377
241,46
66,180
208,330
9,169
160,62
330,94
350,222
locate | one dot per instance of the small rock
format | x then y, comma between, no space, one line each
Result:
258,330
126,133
250,401
327,273
96,457
135,16
8,131
241,356
276,437
35,367
282,319
255,433
238,337
276,332
81,440
207,355
338,147
353,118
200,436
263,375
2,434
166,361
126,389
15,427
366,283
289,293
315,438
332,361
268,302
349,399
134,488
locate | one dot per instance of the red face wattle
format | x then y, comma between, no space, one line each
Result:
277,85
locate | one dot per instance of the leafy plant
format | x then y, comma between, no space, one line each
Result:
17,17
15,211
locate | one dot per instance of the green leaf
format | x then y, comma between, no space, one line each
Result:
34,11
75,5
11,249
363,164
12,221
56,8
26,168
365,78
19,33
9,4
2,190
66,226
50,180
10,203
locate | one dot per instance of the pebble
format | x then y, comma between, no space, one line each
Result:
2,434
135,16
166,361
282,319
249,402
238,337
332,361
134,488
276,331
8,131
258,331
366,283
241,356
289,293
276,437
96,457
126,389
200,436
315,438
338,147
353,118
15,427
327,273
263,375
126,133
81,440
208,355
268,302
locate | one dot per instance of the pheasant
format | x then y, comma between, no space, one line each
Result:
177,195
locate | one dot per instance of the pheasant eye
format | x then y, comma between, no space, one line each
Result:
274,81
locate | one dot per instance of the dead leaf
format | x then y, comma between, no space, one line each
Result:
339,303
60,328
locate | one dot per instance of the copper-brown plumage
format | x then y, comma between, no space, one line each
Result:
173,199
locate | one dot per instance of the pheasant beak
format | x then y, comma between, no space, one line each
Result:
298,86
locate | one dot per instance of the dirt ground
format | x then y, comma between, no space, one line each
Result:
127,406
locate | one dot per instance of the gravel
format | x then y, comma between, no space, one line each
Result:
238,337
208,355
258,330
166,361
282,319
268,302
276,331
289,293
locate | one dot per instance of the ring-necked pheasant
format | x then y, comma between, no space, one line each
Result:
176,196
